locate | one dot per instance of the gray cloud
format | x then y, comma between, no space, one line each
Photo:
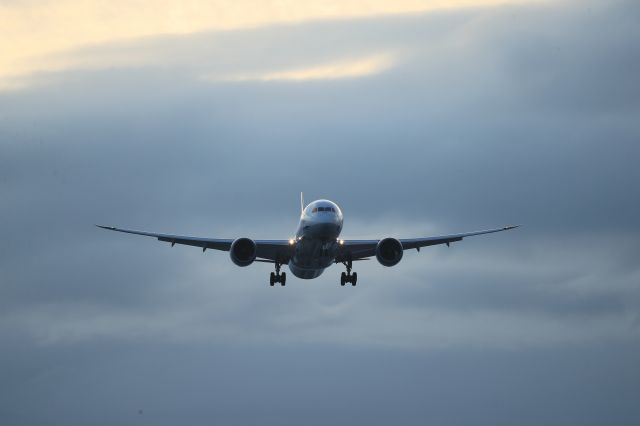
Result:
522,114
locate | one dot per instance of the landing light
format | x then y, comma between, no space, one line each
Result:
291,242
341,242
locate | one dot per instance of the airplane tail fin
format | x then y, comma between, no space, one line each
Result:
301,202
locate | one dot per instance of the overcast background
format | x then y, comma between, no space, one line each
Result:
419,123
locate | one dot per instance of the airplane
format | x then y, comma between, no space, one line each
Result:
316,245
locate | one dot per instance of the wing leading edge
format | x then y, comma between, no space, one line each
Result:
359,249
270,250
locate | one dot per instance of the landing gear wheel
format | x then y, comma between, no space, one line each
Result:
277,277
348,277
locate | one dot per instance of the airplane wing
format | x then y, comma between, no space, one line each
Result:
267,250
360,249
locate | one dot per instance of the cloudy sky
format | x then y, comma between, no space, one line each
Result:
416,117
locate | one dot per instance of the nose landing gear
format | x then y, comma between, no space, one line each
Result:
348,277
277,277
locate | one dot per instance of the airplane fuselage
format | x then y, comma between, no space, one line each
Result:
317,243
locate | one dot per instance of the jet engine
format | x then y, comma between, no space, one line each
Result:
389,251
243,251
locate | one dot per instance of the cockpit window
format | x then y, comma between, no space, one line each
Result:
323,209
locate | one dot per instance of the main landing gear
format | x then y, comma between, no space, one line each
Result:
348,277
277,277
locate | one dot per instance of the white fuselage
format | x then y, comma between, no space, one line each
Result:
317,244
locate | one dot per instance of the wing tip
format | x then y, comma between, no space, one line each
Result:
110,228
508,227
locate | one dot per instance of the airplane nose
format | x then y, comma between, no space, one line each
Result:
326,225
324,218
330,219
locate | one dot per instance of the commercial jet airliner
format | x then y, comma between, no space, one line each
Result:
316,246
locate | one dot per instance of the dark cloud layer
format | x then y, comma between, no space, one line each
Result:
523,114
198,384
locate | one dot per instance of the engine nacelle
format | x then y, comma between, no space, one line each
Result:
389,251
243,251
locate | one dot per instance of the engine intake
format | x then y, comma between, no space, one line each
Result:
389,251
243,251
